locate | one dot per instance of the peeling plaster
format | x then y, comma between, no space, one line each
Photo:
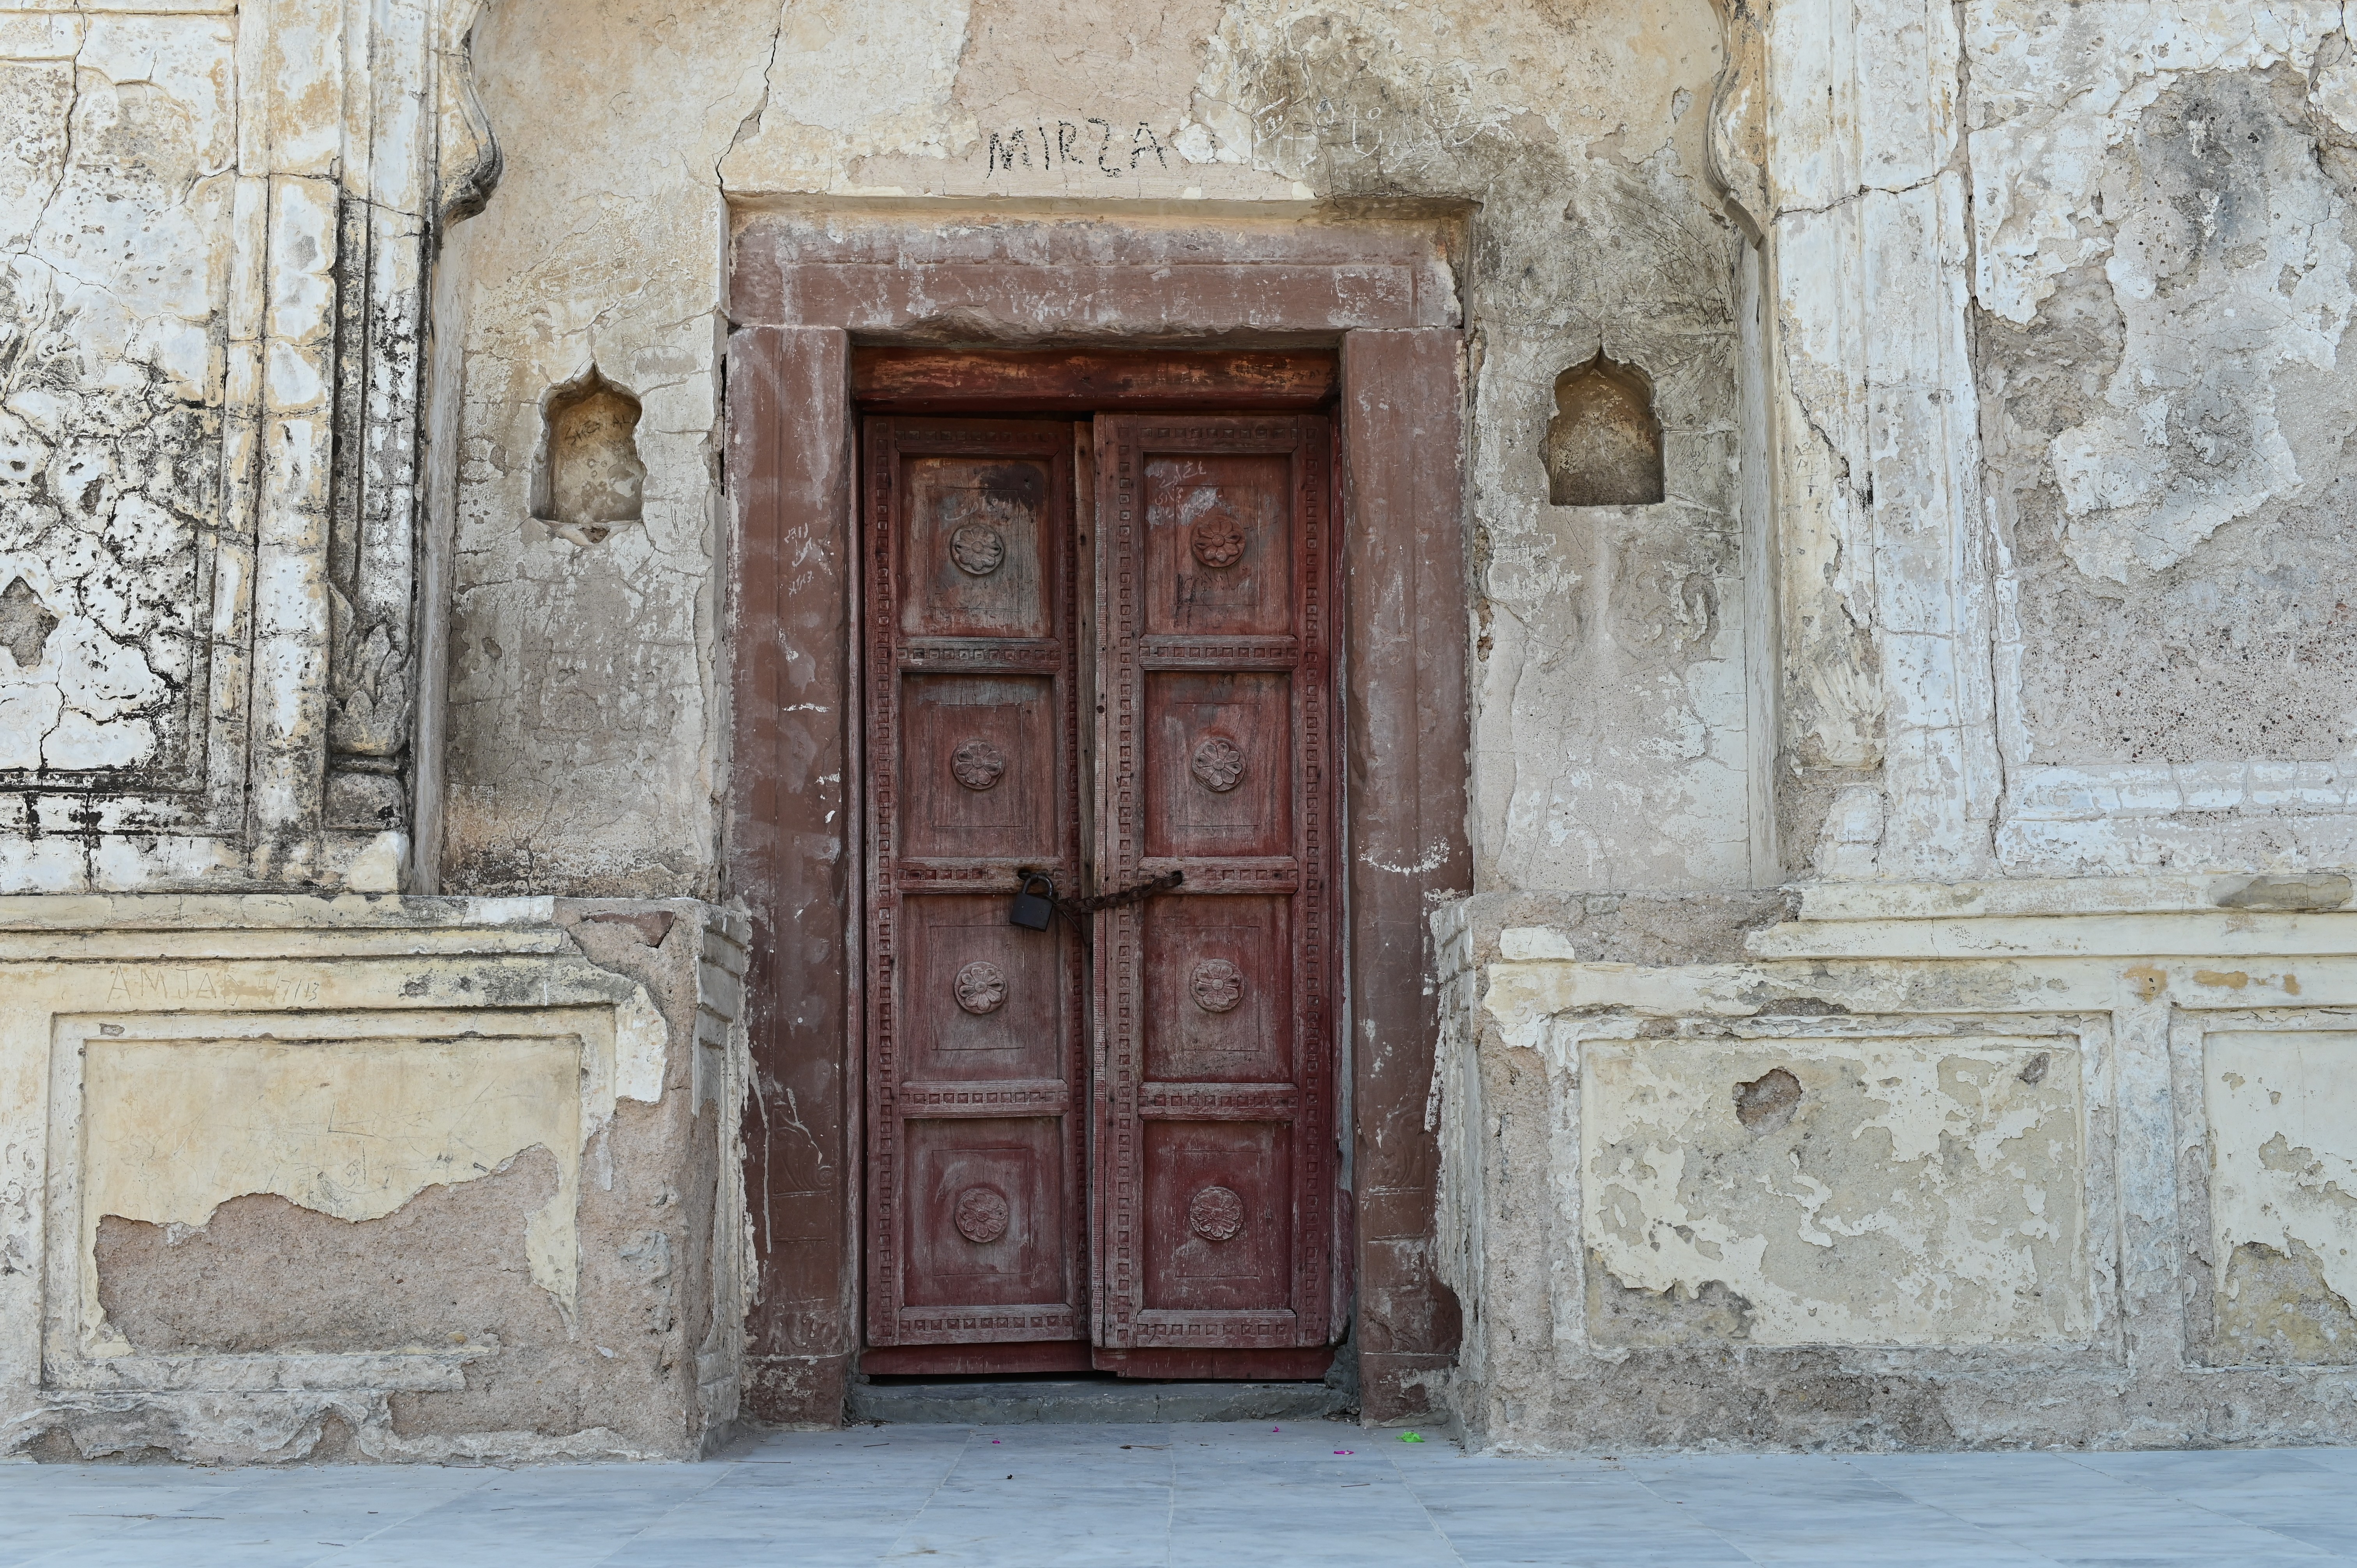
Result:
112,380
232,1073
1907,1193
2283,1178
352,1131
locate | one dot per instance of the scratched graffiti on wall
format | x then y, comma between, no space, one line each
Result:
1093,144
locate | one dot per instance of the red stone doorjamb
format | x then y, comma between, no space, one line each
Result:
802,286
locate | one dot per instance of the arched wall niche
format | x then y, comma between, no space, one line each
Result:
589,479
1604,445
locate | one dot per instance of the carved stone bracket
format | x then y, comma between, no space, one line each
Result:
1737,155
468,161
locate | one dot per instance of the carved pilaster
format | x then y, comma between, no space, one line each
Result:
390,220
1739,118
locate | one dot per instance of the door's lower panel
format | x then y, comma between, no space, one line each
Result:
1194,1366
975,1360
984,1247
1078,1356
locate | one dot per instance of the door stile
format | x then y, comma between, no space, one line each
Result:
1217,590
1341,1281
1088,642
976,1225
1088,568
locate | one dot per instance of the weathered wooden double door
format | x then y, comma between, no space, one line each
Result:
1101,651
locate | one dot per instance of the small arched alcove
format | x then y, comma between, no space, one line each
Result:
1604,444
590,480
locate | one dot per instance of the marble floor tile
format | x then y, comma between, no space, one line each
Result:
1229,1496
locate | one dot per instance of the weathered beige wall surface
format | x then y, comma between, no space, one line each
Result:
2022,1122
2278,1104
1614,746
2163,248
117,214
215,221
1949,1170
1931,1165
293,1179
585,713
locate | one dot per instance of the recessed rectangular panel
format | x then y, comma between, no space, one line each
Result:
2281,1112
1220,544
355,1194
984,1213
1219,764
1219,982
1218,1216
978,766
977,558
1728,1195
979,998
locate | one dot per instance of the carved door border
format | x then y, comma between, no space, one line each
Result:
802,283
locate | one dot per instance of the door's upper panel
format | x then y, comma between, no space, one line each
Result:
976,558
1220,544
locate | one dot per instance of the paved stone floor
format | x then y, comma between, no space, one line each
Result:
1313,1493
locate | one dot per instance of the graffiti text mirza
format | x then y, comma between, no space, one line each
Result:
1066,143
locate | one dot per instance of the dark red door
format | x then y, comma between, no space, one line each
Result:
1140,1178
1214,1195
977,1073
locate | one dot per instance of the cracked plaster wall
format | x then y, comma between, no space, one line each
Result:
1613,741
2164,242
1933,1165
212,231
114,221
583,709
2059,294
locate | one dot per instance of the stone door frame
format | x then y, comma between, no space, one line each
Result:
804,282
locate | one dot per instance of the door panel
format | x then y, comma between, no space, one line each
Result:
1219,1228
1219,997
987,1223
978,766
1219,764
981,999
1220,561
1214,1176
983,550
976,1077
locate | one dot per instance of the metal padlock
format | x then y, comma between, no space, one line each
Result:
1033,910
